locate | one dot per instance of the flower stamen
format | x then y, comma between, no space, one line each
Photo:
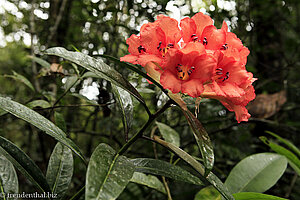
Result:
141,48
184,72
224,46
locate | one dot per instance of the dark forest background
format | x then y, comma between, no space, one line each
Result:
270,29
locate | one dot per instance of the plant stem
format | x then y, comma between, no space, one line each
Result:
139,134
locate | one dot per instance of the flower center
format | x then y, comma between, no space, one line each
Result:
221,76
164,50
184,72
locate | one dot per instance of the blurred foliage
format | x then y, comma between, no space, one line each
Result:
270,29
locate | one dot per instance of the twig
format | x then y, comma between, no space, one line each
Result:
288,193
141,131
75,105
53,29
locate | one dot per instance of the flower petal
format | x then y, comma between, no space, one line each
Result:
129,58
134,42
192,87
201,20
170,81
188,28
216,38
204,67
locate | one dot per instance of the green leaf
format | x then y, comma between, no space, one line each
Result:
108,174
24,164
290,145
71,81
21,78
124,101
208,193
169,134
149,181
292,158
60,121
40,61
255,196
256,173
211,178
89,74
2,112
135,69
98,67
162,168
38,121
60,170
8,178
38,103
202,140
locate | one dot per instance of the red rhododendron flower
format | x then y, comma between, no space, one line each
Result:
185,70
207,63
154,41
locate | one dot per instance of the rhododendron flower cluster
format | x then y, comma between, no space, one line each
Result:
197,59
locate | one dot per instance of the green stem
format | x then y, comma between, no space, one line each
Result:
142,130
78,194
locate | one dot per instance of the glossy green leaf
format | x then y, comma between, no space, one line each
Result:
2,112
292,158
60,121
24,164
60,170
208,193
163,168
149,181
38,103
40,61
202,140
98,67
71,82
255,196
289,144
132,67
256,173
89,74
21,78
8,178
108,174
169,134
124,101
39,121
211,178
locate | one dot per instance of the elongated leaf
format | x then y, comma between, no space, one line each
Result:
149,181
211,178
39,121
292,158
208,193
125,104
256,173
60,170
98,67
169,134
21,78
132,67
202,140
255,196
8,177
108,174
2,112
162,168
40,61
24,164
38,103
71,81
290,145
60,121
